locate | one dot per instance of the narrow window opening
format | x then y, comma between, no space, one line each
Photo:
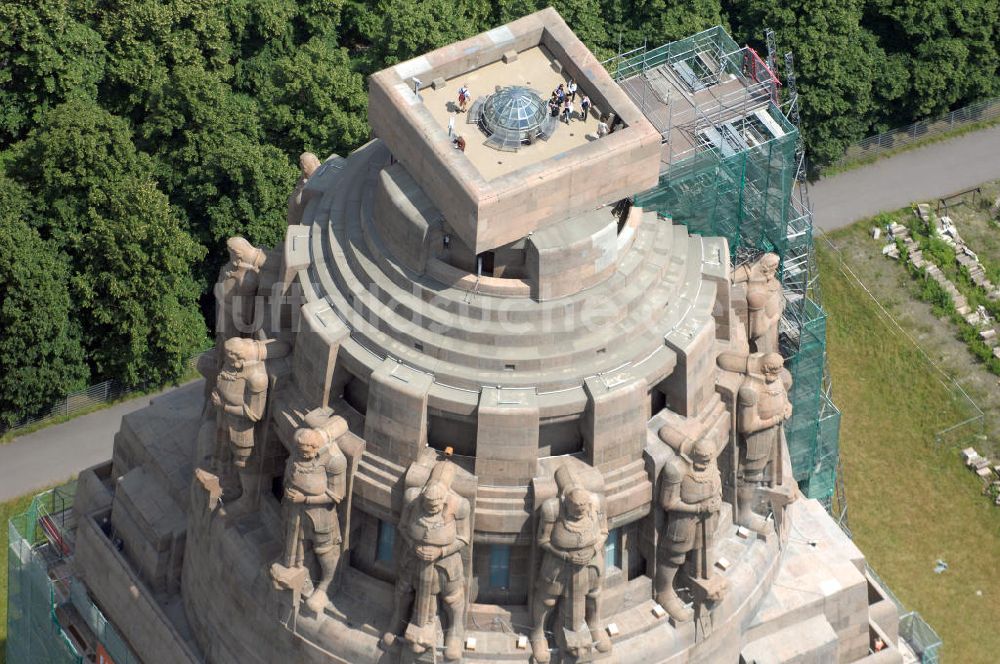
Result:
613,548
500,566
386,542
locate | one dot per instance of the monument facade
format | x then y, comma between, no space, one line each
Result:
478,407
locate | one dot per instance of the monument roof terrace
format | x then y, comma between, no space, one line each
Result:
536,69
491,198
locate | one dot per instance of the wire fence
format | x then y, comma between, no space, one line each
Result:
77,402
987,110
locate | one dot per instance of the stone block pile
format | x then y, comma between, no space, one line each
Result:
986,470
945,230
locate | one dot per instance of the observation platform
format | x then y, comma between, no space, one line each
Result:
536,69
489,198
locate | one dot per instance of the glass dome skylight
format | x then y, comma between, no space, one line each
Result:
514,116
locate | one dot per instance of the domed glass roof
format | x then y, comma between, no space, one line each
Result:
515,109
512,117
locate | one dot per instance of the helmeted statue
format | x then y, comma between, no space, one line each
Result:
691,496
240,395
765,302
236,289
762,408
572,530
434,528
315,483
308,164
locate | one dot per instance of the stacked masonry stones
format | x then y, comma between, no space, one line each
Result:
945,229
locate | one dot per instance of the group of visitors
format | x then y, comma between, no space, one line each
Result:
561,105
561,102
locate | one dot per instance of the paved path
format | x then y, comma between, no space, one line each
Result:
923,174
56,453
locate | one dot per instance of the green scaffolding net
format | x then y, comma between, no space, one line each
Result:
43,600
749,195
34,632
745,197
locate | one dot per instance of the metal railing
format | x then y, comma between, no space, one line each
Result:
981,111
95,395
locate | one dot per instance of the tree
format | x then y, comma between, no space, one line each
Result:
41,358
656,22
505,11
73,148
584,18
211,155
147,39
49,56
310,98
834,64
398,30
135,286
949,50
97,202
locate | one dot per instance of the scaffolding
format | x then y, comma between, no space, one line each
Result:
51,618
732,165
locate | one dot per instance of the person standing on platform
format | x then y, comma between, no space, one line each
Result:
463,98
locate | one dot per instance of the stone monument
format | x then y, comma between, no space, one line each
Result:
763,409
691,496
308,164
434,528
572,530
483,410
315,483
236,289
765,302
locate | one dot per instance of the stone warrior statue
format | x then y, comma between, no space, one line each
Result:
691,496
765,302
572,530
308,164
240,396
434,527
762,408
315,483
236,289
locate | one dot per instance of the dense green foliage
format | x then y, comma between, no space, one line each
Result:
136,135
40,350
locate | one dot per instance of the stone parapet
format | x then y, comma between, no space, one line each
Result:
491,213
126,601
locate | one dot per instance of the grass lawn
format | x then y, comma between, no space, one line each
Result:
7,510
910,502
